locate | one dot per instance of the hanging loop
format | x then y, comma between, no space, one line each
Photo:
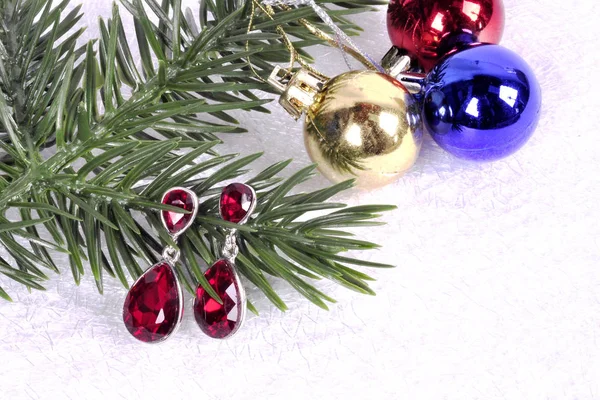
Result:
171,254
230,248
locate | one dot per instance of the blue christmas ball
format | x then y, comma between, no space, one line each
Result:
482,102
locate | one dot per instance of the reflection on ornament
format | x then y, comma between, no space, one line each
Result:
480,103
361,124
428,29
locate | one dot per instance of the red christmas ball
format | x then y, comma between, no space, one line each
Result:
428,29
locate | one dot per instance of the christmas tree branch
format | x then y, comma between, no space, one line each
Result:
121,134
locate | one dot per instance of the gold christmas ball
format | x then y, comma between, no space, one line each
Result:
363,125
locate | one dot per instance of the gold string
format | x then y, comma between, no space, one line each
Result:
335,43
325,36
250,23
294,56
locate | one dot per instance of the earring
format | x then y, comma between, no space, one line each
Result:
220,321
153,307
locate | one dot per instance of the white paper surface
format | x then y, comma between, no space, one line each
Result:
496,294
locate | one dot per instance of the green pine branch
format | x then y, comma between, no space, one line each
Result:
90,139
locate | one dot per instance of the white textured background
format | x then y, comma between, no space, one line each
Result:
496,294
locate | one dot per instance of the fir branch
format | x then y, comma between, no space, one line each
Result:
121,134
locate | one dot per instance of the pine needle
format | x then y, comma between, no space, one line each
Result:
119,134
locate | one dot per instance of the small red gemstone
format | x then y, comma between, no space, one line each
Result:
219,320
152,307
236,200
177,222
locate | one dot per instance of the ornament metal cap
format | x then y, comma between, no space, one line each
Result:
398,64
298,90
395,62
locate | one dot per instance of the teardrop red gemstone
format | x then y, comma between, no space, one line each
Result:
153,307
219,320
237,200
176,222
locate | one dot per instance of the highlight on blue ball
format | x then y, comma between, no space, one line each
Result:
482,102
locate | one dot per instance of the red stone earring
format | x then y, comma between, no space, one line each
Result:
217,320
154,305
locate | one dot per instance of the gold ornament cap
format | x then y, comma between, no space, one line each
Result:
299,89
